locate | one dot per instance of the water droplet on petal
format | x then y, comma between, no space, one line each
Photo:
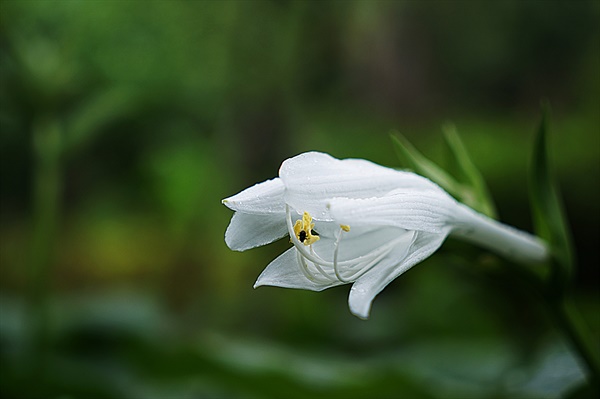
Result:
359,290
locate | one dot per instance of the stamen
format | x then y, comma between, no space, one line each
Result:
323,272
335,253
303,230
305,269
302,235
369,265
314,258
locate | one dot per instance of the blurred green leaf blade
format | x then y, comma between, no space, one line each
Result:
469,174
416,161
466,192
548,212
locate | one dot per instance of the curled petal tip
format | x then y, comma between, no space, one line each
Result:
361,316
359,303
259,282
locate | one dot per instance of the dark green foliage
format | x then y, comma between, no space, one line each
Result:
124,123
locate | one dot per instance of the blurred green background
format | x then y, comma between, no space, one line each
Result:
124,123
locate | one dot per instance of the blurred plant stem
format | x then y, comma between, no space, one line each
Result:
570,321
564,314
550,221
46,191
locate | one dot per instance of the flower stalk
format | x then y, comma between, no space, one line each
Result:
500,238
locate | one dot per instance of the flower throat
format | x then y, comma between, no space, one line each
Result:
318,270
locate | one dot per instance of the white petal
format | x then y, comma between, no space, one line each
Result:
262,198
371,283
247,231
429,211
312,178
285,272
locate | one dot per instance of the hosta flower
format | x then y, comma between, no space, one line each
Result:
352,221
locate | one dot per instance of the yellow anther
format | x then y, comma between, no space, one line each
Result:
345,227
303,229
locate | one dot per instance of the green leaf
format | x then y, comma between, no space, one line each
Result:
548,213
465,192
416,161
468,172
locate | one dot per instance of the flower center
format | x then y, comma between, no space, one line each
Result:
320,271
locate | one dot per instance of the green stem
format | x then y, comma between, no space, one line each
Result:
571,322
45,203
567,319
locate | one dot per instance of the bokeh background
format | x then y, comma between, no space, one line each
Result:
124,123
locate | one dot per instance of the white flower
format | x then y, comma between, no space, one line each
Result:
352,221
